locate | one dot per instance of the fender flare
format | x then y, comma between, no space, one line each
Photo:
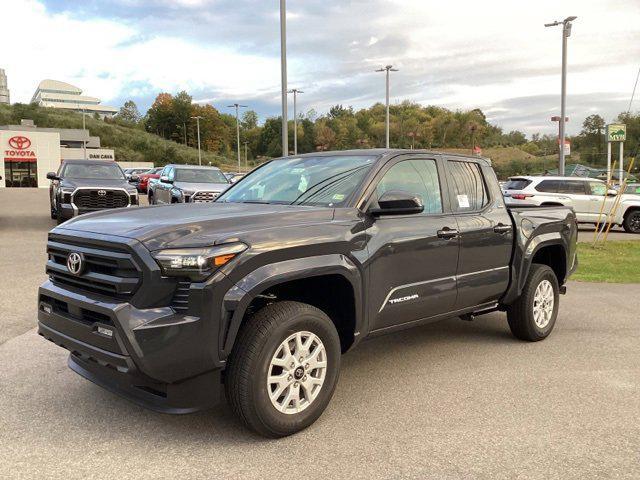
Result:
522,265
239,296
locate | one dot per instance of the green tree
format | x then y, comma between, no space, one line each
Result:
128,113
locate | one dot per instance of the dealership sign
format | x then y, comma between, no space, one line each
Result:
616,132
19,150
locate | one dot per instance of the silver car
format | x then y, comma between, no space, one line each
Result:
188,184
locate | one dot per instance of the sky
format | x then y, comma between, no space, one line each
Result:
494,55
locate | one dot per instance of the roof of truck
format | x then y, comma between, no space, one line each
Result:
389,152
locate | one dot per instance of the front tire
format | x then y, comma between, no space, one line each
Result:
631,222
533,315
283,369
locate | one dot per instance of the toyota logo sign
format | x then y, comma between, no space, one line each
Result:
102,193
75,263
19,143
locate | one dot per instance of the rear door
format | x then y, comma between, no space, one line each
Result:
486,232
597,196
412,263
580,200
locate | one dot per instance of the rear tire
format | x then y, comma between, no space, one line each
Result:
533,315
269,388
631,222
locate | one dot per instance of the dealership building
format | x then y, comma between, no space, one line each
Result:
29,152
57,94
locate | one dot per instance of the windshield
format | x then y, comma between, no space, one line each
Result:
323,181
107,171
196,175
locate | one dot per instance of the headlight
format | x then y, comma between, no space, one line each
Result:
196,263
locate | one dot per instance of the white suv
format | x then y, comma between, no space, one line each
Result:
584,195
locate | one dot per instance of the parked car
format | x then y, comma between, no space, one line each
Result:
234,177
129,172
144,178
584,195
83,186
188,184
632,189
259,293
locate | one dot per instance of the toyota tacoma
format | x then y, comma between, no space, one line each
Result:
83,186
258,294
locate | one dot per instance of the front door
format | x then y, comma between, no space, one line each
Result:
412,264
486,233
20,173
162,190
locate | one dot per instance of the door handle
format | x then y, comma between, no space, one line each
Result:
501,228
448,233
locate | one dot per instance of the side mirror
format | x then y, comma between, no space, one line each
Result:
165,179
612,193
52,176
398,202
134,178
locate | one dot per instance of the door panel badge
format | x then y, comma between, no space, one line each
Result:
403,299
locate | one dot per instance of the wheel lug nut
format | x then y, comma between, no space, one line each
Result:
306,367
290,377
293,364
304,379
297,384
301,358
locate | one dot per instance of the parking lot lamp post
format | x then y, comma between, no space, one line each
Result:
246,158
387,69
197,119
283,73
295,92
84,141
237,106
566,32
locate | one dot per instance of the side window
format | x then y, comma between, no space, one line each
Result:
548,186
573,187
597,188
419,177
467,183
172,174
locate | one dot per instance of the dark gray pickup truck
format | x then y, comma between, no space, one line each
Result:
259,293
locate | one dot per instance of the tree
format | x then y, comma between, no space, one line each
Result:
129,113
160,119
249,120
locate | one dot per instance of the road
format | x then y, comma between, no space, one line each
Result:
449,400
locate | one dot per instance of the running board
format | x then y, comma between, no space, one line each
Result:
469,317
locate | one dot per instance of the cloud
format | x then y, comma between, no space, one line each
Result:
491,55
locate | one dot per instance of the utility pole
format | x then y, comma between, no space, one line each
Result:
237,106
387,69
295,92
197,118
283,72
246,157
566,32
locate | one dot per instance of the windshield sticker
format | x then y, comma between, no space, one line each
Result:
463,201
338,197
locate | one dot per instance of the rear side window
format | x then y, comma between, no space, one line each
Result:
548,186
574,187
597,188
468,186
517,184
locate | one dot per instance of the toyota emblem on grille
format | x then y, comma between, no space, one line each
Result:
75,263
102,193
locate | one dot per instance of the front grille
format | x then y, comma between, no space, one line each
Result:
180,301
204,197
100,198
106,270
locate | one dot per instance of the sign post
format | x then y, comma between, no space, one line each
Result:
616,132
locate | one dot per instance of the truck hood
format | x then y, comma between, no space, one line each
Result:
202,187
193,225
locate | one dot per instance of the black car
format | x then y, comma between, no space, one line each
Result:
258,293
83,186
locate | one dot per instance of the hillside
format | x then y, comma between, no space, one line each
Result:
130,143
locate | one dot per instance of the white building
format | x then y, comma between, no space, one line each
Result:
56,94
4,89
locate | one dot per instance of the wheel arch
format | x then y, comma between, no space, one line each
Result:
331,283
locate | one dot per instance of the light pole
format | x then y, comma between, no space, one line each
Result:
388,68
237,106
566,32
246,157
295,92
197,118
84,141
283,72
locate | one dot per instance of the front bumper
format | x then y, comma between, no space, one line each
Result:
163,360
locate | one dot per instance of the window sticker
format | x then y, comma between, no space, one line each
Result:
463,201
338,197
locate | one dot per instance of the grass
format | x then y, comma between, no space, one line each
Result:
615,262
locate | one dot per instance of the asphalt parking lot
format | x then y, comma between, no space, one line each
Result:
450,400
